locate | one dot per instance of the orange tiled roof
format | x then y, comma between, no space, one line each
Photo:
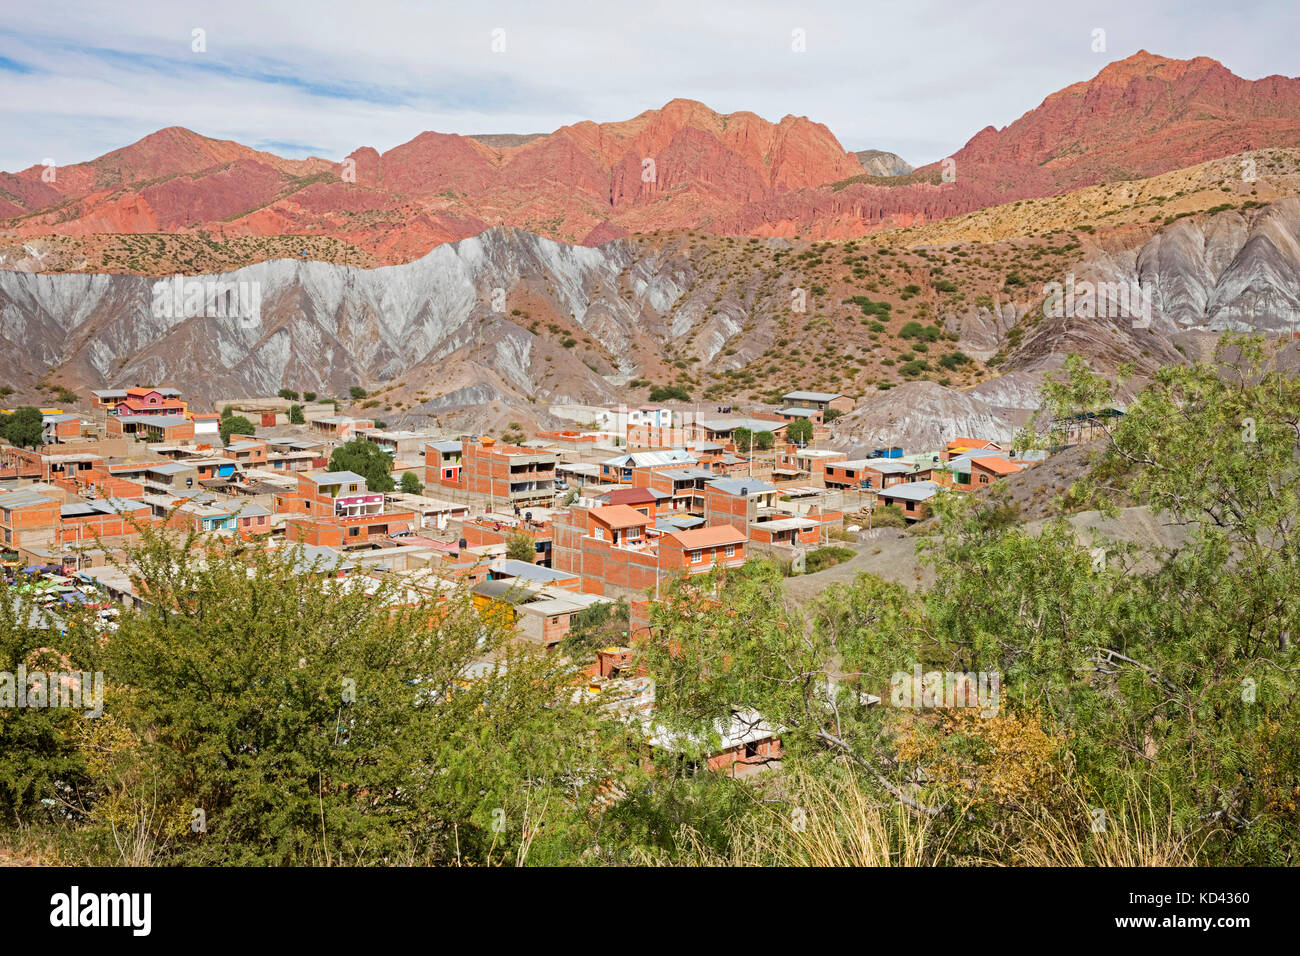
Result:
711,536
619,516
999,466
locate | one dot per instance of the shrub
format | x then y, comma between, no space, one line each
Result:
888,516
663,393
826,557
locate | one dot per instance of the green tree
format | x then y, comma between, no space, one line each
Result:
366,459
743,439
520,546
764,440
309,396
357,392
24,427
800,431
39,756
312,723
235,425
296,416
597,626
410,484
288,393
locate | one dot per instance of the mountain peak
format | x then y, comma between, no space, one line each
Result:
1144,63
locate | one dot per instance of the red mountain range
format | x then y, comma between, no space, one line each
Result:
682,166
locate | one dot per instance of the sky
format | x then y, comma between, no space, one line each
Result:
299,79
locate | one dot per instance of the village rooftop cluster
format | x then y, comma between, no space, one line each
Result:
609,512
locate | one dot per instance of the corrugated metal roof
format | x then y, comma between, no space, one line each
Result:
911,491
737,486
810,396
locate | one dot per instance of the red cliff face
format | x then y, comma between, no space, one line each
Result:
1142,116
680,166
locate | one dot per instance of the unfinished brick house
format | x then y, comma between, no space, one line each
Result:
497,530
509,474
29,518
348,530
585,544
247,452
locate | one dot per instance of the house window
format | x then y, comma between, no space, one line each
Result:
353,532
731,550
697,557
599,534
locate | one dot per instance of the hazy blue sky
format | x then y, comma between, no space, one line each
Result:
321,78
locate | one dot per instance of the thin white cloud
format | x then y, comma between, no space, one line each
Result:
79,79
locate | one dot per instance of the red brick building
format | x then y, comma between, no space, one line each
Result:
442,462
508,474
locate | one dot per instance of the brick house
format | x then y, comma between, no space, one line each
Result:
817,401
84,521
620,525
702,549
912,497
872,473
338,426
248,452
59,427
509,474
151,402
960,446
348,530
28,518
630,565
737,501
443,461
485,531
151,427
335,494
747,739
106,398
622,469
811,463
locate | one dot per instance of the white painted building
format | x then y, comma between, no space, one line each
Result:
622,417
